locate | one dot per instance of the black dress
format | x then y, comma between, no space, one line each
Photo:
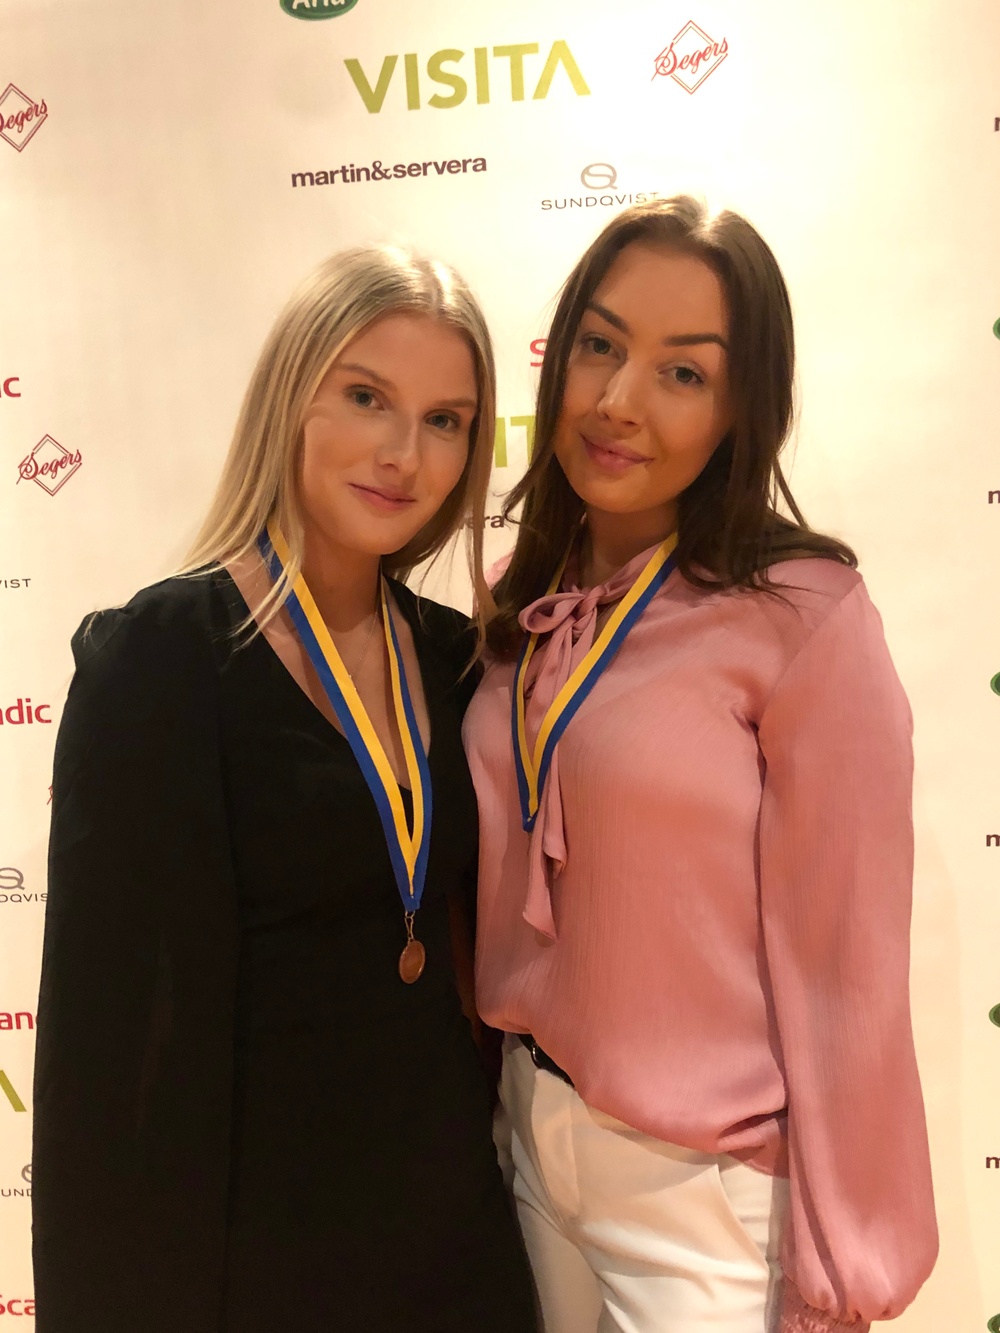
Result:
244,1120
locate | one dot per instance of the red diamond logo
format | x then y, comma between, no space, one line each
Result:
20,117
49,465
691,57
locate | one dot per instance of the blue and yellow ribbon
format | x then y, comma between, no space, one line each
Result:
532,763
408,850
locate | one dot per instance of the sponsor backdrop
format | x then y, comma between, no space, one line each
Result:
168,172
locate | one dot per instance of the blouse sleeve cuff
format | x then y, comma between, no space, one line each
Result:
798,1317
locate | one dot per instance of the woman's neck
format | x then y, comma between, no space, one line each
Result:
612,540
344,583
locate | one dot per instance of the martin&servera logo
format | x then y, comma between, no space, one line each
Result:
691,57
20,116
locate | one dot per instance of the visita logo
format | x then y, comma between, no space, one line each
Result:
317,9
559,57
8,1090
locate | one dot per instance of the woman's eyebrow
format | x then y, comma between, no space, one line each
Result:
356,368
677,340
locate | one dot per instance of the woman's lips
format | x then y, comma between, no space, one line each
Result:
612,456
386,502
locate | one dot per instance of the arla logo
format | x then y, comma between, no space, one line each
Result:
317,9
20,116
49,465
691,57
486,77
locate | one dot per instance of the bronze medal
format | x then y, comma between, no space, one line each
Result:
412,961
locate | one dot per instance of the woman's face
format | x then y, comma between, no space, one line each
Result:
646,399
386,437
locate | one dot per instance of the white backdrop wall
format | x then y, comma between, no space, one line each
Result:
152,222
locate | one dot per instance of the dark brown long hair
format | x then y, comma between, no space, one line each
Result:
729,527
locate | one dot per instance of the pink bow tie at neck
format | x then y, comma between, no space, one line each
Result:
570,620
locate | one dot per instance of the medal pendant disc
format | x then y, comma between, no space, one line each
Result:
412,961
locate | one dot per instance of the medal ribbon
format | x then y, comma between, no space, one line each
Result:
407,851
532,764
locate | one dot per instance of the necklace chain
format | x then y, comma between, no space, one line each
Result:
368,643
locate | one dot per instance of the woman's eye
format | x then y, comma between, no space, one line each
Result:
443,421
685,375
362,397
594,342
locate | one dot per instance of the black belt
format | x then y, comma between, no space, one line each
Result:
542,1061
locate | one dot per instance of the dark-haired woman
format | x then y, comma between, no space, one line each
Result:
693,762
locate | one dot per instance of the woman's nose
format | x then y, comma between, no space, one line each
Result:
622,399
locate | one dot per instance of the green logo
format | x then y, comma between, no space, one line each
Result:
996,329
7,1088
995,683
317,9
994,1324
995,1018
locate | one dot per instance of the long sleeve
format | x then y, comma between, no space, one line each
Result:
134,1061
835,877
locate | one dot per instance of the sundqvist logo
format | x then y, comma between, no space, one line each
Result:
22,1191
352,175
317,9
599,179
374,94
691,57
12,889
21,117
49,465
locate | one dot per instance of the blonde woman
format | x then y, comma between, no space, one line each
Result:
258,1102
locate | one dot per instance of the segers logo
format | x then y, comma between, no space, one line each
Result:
49,465
600,178
373,94
317,9
20,117
691,57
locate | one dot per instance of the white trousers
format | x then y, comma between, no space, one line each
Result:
627,1234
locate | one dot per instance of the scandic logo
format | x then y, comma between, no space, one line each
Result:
691,51
23,1304
49,465
351,175
317,9
21,713
373,94
20,117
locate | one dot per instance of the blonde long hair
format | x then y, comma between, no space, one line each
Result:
330,308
